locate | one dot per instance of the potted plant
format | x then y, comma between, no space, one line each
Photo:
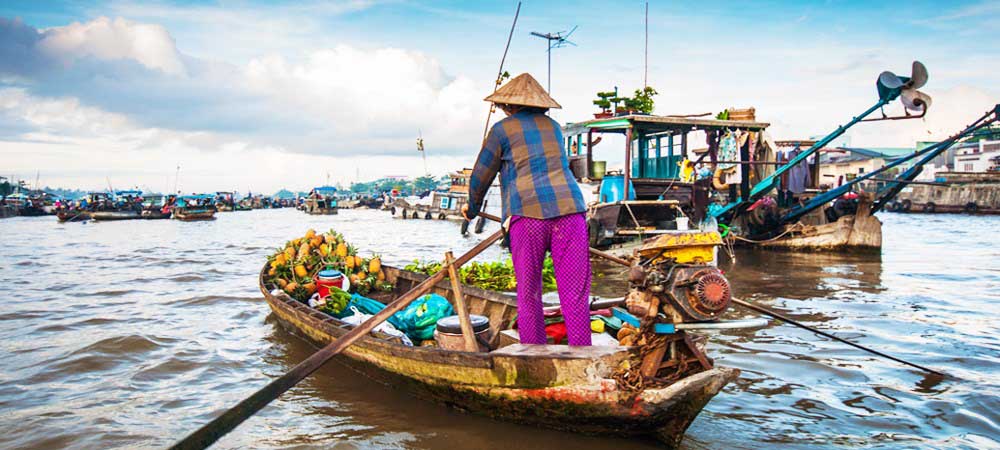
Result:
642,102
621,105
604,102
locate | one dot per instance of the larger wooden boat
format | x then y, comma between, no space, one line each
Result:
857,230
560,387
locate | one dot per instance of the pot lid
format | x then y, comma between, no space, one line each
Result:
330,273
451,324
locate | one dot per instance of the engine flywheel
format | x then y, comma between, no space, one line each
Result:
712,294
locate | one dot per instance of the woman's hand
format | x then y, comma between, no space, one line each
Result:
465,212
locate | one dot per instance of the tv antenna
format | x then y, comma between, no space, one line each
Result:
555,40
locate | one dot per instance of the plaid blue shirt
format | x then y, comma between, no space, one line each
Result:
535,179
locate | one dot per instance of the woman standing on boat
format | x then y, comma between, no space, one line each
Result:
543,209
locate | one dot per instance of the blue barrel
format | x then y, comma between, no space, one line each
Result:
613,189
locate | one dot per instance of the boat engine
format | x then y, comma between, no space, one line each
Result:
675,274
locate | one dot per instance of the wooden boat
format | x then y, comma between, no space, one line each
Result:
958,192
321,201
115,215
78,215
857,232
190,215
560,387
320,211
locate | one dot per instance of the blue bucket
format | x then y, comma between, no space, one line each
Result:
613,189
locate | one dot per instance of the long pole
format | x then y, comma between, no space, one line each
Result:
768,312
503,59
645,53
549,51
220,426
791,321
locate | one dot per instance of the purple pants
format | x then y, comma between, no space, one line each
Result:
566,237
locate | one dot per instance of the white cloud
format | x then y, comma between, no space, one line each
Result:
338,100
110,39
369,100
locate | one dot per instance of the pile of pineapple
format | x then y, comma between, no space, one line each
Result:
293,268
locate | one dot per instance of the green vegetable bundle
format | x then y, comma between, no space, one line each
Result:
494,276
336,302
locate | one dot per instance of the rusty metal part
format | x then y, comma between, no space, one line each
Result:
636,275
711,294
697,294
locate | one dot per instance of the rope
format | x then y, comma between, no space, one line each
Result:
798,226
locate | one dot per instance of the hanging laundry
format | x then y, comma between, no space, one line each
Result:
687,170
799,175
728,150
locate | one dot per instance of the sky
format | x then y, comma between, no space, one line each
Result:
248,95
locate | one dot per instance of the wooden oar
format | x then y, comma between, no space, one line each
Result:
218,427
468,336
765,311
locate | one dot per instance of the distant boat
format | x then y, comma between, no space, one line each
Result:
194,207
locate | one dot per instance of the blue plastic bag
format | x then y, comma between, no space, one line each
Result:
366,305
418,320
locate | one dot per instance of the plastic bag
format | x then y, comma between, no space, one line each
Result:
420,318
366,305
358,317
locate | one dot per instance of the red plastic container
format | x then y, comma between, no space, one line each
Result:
326,279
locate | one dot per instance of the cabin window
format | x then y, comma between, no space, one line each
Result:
861,170
968,167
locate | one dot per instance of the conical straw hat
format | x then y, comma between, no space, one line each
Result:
525,91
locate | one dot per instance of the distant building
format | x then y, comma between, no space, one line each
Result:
977,156
843,164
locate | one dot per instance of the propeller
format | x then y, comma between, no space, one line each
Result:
891,85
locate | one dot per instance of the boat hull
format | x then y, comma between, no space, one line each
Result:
859,232
405,210
322,211
114,215
73,216
196,215
559,387
155,215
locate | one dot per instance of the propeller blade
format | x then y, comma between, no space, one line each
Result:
890,80
914,100
918,77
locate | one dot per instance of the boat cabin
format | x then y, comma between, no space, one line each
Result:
657,189
196,201
452,200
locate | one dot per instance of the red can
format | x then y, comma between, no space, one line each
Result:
326,279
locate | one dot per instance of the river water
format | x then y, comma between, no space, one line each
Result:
131,334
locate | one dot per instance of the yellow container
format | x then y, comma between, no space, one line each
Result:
685,247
